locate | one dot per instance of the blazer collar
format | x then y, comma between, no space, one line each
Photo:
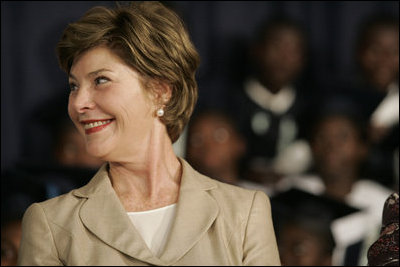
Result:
195,213
103,214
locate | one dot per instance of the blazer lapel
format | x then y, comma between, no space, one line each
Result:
105,217
196,211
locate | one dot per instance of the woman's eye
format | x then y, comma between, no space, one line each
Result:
73,87
101,80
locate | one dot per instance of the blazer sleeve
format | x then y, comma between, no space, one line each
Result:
260,247
37,242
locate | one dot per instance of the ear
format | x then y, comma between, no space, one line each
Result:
162,92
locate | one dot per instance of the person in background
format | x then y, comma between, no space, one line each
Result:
11,218
378,57
302,242
216,148
67,148
18,191
27,183
10,241
30,182
375,90
70,150
270,104
303,222
339,146
132,71
68,164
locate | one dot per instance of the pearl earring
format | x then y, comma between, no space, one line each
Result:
160,112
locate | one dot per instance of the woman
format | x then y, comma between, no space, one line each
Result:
133,89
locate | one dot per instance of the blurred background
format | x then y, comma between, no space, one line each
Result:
326,68
219,29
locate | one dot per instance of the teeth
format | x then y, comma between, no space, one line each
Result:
95,124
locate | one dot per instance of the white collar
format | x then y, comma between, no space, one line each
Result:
278,103
387,112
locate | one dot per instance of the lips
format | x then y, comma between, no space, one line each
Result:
92,126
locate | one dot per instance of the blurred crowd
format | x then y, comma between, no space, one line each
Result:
328,161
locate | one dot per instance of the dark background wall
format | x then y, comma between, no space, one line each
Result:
220,29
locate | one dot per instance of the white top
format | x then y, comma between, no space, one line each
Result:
154,226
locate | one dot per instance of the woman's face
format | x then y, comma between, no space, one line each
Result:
108,105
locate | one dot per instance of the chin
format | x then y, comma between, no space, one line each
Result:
97,151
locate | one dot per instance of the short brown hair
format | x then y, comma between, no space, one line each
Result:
150,38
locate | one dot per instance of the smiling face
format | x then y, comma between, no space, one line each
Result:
109,106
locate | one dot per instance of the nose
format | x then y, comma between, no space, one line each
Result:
82,100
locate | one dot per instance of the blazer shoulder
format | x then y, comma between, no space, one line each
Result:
60,209
219,187
68,204
235,200
235,191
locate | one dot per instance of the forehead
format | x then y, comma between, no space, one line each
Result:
96,58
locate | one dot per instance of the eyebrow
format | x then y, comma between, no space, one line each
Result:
93,73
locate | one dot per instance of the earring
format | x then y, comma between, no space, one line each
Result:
160,112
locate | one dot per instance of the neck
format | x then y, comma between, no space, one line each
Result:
151,179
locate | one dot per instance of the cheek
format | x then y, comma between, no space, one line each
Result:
73,115
131,105
70,109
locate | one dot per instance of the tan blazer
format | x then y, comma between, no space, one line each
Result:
215,224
